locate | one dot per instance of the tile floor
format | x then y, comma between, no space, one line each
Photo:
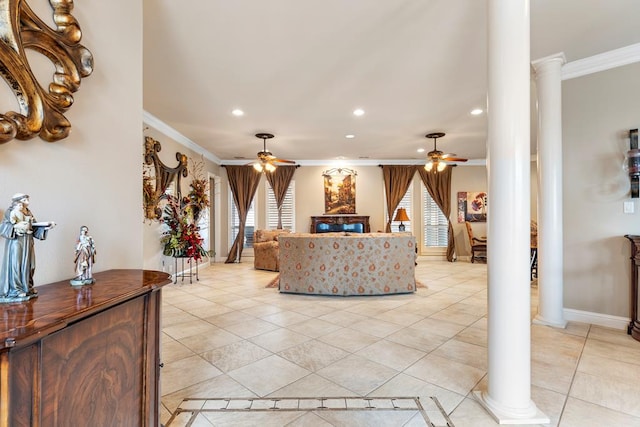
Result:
229,336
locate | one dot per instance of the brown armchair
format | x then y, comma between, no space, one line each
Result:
266,249
478,245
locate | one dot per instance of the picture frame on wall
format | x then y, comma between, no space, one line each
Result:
472,206
339,192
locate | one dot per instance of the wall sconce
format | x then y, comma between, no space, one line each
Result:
633,156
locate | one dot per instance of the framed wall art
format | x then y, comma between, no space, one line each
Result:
339,191
472,206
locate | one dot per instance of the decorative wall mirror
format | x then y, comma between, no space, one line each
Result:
40,110
161,179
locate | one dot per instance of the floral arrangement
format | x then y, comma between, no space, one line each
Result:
181,214
182,239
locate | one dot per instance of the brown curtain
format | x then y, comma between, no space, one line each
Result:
243,181
396,183
439,187
279,180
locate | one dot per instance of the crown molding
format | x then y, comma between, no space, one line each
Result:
601,62
167,130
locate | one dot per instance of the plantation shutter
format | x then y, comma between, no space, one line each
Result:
436,226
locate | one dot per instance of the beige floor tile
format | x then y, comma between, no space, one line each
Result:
348,339
613,336
214,338
391,354
473,335
236,355
357,374
610,368
188,329
186,372
439,327
286,318
279,339
342,318
552,376
220,386
251,329
314,328
230,318
446,373
400,317
262,310
313,355
268,375
463,352
173,350
375,327
309,419
262,419
625,353
607,392
419,338
578,413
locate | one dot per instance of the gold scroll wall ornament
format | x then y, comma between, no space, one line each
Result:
41,110
155,187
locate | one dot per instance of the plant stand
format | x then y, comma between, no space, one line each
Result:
183,274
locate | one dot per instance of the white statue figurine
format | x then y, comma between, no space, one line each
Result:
19,228
84,259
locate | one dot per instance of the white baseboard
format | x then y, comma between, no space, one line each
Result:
606,320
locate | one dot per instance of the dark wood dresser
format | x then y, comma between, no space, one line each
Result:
85,355
339,222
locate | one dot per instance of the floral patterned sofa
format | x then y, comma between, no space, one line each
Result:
347,263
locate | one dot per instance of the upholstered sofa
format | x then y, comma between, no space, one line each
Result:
266,248
347,263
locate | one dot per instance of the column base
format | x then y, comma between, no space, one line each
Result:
502,416
539,320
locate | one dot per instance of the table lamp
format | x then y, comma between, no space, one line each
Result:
401,215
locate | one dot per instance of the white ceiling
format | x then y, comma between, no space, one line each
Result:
298,68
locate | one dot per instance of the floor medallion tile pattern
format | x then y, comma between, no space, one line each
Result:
334,411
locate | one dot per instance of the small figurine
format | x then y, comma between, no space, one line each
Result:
84,259
19,227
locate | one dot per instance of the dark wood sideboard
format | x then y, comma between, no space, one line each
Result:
339,220
634,325
85,355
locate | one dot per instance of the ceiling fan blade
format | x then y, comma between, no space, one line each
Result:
455,159
275,159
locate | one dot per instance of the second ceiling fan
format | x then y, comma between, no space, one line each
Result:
266,161
438,159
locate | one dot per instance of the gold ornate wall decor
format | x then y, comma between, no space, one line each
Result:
41,110
154,187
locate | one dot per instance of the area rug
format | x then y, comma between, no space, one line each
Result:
340,411
276,281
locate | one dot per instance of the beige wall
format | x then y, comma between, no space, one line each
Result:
93,176
598,110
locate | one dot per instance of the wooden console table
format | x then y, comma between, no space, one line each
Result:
634,325
340,220
83,355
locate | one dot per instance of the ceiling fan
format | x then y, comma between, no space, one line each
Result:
267,161
436,157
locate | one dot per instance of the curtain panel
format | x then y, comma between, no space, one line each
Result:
243,181
396,184
439,187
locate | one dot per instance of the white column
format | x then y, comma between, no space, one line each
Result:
548,72
508,394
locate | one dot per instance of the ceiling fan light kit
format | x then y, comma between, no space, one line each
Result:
266,161
437,158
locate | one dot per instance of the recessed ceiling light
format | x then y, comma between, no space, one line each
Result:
476,111
358,112
350,136
238,112
420,150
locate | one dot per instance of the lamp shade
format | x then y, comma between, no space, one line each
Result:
401,215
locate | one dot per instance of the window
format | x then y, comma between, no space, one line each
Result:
288,208
404,203
436,226
235,223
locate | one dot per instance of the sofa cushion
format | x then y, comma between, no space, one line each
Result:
267,235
